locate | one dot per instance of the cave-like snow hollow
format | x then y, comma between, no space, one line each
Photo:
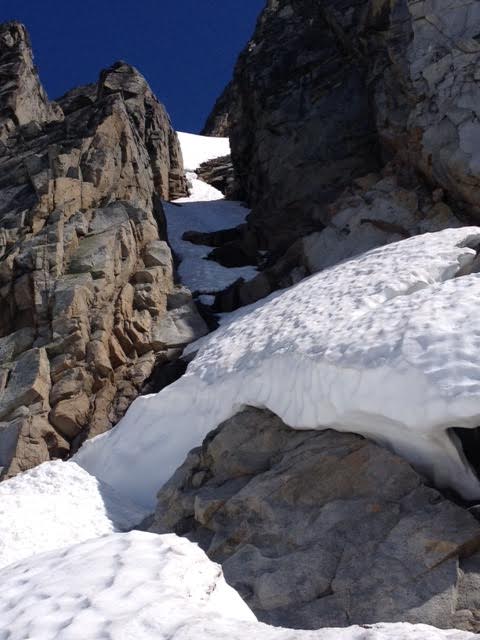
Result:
386,345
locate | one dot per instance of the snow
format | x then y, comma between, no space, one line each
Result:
204,210
385,345
195,272
147,587
58,504
198,149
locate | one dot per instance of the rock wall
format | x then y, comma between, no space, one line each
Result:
326,92
319,529
300,120
88,302
426,90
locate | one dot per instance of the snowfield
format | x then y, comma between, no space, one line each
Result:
204,210
55,505
385,345
141,586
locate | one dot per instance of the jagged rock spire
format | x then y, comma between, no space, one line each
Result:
22,98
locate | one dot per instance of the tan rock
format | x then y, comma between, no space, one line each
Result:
70,416
29,382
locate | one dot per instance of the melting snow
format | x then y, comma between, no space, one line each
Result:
204,210
385,344
147,587
55,505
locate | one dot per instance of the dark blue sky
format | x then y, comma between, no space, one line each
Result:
185,48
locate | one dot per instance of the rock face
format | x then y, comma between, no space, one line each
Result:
219,173
300,120
23,100
425,88
322,529
87,295
218,124
372,212
325,92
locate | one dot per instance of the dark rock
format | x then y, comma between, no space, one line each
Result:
217,124
324,528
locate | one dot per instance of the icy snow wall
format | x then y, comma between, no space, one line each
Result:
386,345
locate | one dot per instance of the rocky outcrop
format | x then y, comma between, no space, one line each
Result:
322,529
23,101
219,173
300,120
327,92
425,90
217,124
88,302
375,210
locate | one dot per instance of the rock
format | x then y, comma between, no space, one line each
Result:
85,269
70,416
158,254
325,94
426,91
299,116
373,212
24,103
219,173
217,124
178,327
29,383
26,442
322,529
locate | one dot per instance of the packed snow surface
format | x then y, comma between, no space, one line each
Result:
198,149
147,587
204,210
195,272
386,345
58,504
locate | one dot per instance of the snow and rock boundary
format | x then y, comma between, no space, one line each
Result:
376,345
145,586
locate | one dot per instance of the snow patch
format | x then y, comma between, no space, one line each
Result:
199,149
147,587
195,271
55,505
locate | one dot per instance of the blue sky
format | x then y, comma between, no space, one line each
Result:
185,48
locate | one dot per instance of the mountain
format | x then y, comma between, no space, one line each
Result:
239,390
86,273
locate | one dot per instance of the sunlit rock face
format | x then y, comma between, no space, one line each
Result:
86,275
319,528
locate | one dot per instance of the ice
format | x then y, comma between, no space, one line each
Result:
198,149
385,345
147,587
55,505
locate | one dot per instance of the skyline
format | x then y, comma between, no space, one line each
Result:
185,50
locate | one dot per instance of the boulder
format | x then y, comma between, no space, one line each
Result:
320,529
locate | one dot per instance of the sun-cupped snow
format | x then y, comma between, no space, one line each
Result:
145,586
385,345
199,149
55,505
204,210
